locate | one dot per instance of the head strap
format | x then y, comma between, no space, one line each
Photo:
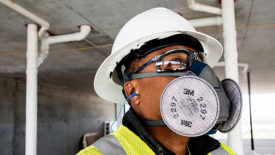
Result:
128,76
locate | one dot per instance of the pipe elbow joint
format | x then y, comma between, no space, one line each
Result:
84,32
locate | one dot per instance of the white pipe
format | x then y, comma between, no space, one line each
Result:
44,51
244,65
43,32
26,13
46,42
31,91
210,21
231,65
84,31
204,8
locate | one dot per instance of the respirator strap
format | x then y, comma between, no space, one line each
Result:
154,123
155,74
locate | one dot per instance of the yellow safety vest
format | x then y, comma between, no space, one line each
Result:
124,141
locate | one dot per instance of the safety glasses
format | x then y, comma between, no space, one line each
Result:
174,60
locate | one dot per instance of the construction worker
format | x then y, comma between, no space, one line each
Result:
162,66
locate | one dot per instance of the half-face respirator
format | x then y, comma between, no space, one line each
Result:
197,102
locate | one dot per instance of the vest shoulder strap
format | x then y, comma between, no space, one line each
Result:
131,143
121,142
107,145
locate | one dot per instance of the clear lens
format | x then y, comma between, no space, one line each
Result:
172,61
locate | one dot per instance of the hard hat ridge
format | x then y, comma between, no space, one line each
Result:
150,22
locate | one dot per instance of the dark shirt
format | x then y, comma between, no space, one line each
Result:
197,145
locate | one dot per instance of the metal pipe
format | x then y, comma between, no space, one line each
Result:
204,8
31,91
250,111
210,21
28,14
231,64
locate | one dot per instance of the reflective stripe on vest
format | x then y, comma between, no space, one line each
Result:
223,150
109,145
218,151
124,141
91,150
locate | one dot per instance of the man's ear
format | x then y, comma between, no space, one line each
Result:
130,87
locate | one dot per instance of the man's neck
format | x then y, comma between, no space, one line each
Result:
172,141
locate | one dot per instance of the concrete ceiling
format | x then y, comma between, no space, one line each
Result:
74,64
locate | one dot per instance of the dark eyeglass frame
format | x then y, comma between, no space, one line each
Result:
191,57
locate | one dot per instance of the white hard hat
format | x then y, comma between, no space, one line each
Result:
156,23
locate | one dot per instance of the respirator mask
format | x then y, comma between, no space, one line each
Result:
197,102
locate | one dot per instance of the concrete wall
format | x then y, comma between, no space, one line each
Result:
7,106
64,115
